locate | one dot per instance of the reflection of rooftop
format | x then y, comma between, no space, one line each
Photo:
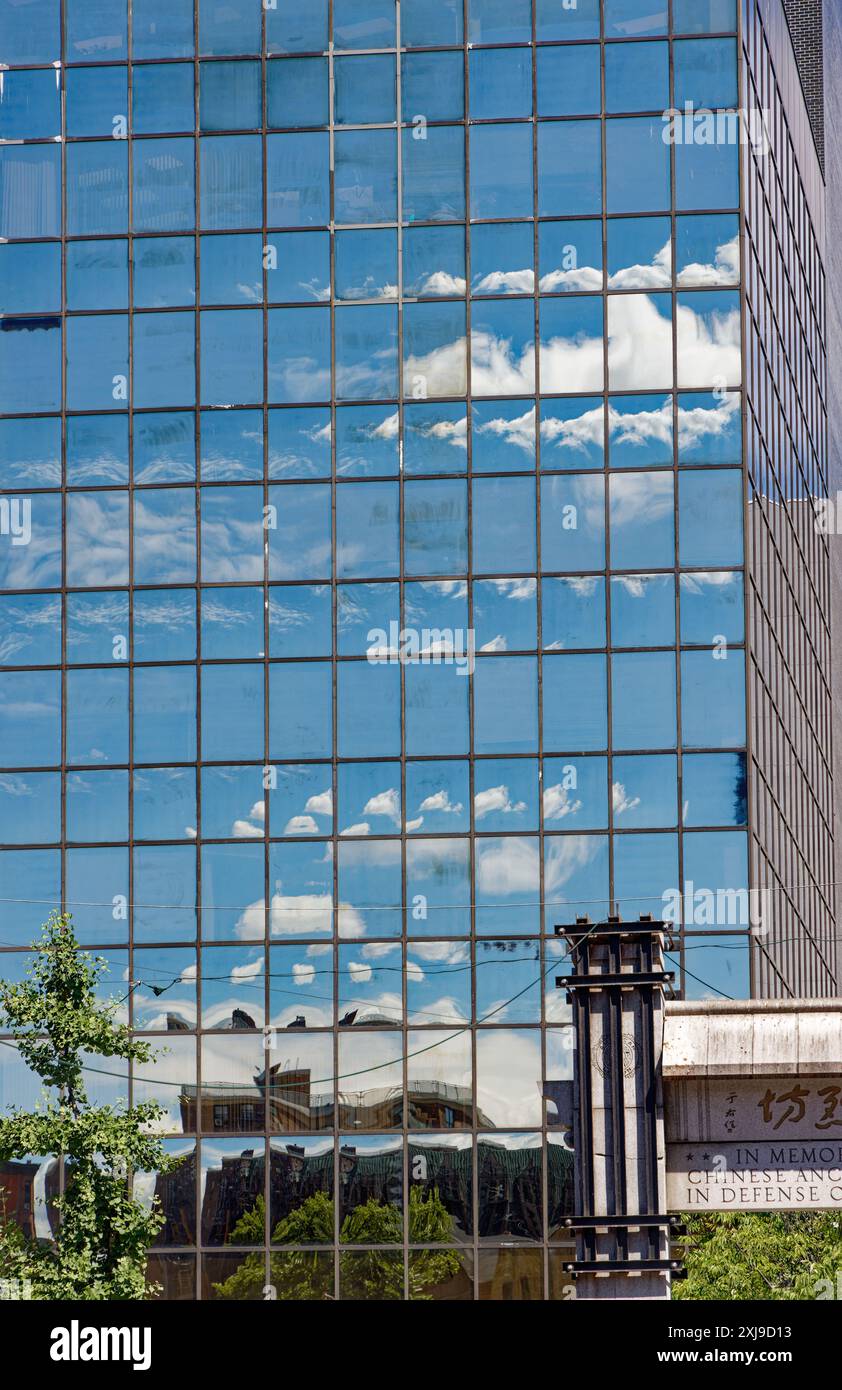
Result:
292,1105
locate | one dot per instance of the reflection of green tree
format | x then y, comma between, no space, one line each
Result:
364,1274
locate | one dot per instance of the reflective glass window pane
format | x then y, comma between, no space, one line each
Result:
299,443
164,185
502,254
164,801
97,716
39,168
298,355
644,791
364,24
232,711
638,165
494,21
367,530
642,520
164,625
30,630
575,794
500,83
506,705
644,695
366,348
434,175
553,21
571,344
503,524
97,625
297,92
714,789
231,348
707,250
710,427
712,607
97,360
573,613
504,614
163,99
437,708
300,268
568,81
367,440
639,253
97,449
426,22
162,28
96,100
574,695
572,523
713,700
704,16
709,342
641,861
30,277
706,174
229,96
432,87
643,610
96,29
231,181
501,171
300,710
231,269
570,256
365,90
297,180
164,714
435,354
569,168
30,105
629,19
31,31
640,431
366,265
636,76
705,72
300,620
366,177
229,27
710,517
508,1076
231,445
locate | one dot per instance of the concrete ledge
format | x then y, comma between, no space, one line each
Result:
757,1037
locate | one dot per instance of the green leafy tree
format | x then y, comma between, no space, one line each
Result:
364,1274
774,1257
99,1250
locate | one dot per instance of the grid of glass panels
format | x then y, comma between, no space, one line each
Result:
372,547
789,533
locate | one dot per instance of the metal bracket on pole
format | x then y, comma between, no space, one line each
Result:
617,992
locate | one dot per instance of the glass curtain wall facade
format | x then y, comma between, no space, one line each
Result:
790,530
372,567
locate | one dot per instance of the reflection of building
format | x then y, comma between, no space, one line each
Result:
292,1106
510,1186
27,1188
